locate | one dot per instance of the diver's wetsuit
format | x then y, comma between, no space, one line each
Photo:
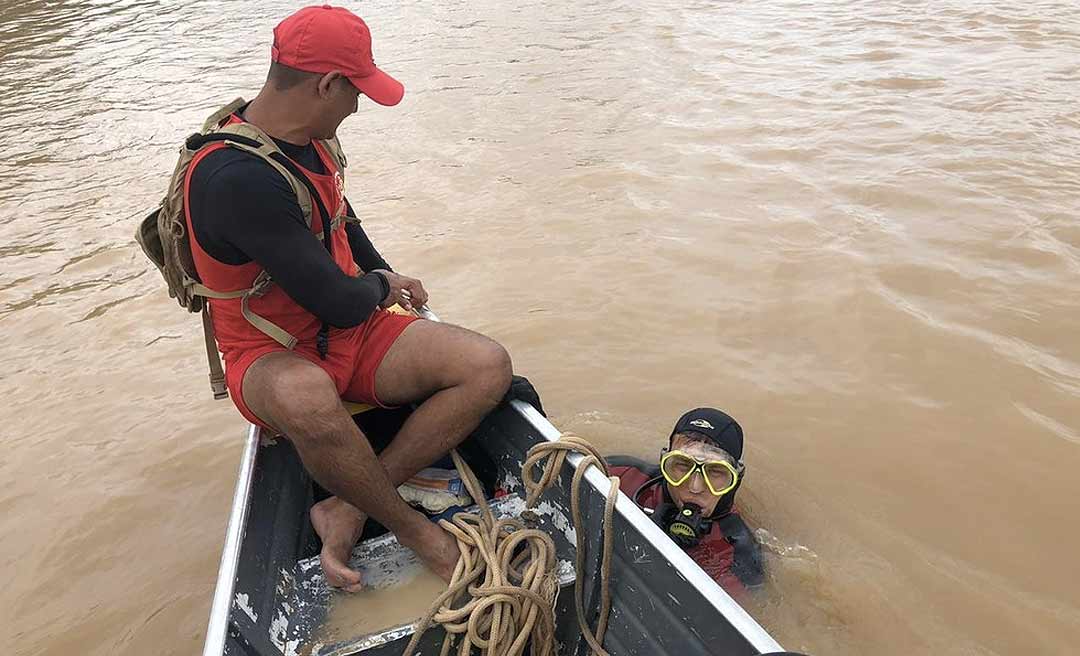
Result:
729,552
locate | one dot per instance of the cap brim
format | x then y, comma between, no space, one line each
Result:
380,87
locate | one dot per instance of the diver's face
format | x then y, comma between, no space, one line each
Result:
694,490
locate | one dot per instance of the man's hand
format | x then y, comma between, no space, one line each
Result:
405,291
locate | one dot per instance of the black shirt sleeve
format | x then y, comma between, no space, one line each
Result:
243,210
364,253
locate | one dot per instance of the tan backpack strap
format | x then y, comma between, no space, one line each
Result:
272,330
220,115
265,326
199,289
333,146
303,196
262,324
217,374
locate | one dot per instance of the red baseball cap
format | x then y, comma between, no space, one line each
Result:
322,39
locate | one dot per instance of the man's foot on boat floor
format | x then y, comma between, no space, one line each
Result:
338,525
436,547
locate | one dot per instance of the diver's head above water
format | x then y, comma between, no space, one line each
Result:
702,465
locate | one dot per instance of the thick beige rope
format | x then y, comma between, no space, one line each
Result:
556,453
495,601
507,602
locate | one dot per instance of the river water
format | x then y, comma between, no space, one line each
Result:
853,225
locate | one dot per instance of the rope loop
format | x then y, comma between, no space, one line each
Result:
501,596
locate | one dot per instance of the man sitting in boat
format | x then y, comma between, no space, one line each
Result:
322,332
690,494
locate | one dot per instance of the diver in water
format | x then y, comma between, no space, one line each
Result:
690,494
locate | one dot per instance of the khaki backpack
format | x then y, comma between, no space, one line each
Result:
164,238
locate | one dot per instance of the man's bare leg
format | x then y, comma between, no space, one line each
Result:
299,399
463,374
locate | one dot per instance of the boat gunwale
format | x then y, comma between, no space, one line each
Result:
221,607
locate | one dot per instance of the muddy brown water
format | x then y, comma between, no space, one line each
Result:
853,225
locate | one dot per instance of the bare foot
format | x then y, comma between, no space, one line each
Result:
339,525
437,548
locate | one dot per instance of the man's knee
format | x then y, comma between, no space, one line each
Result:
492,370
298,396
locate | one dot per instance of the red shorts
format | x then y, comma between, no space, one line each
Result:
354,356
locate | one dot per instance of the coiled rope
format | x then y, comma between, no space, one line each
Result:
556,453
514,603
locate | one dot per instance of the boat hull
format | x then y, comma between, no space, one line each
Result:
270,602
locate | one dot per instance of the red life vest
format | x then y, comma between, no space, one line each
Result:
235,333
713,553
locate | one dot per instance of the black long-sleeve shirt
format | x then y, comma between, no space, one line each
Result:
242,210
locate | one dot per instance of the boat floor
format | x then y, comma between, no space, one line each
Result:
307,601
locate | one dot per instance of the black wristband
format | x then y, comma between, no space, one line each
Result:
384,282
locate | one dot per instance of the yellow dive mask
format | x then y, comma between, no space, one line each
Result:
678,467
